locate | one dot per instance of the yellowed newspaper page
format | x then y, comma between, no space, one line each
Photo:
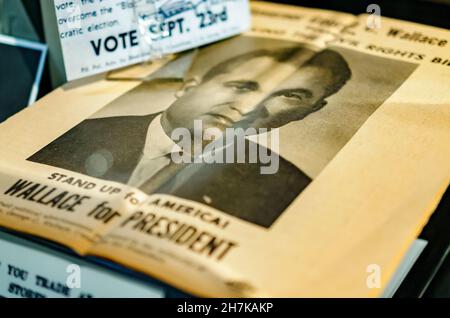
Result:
358,146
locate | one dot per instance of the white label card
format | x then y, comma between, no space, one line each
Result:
28,270
101,35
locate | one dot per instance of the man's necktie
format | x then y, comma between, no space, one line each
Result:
161,176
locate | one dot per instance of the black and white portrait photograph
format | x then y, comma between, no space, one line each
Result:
316,98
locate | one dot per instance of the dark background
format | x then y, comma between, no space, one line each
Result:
15,90
33,10
432,12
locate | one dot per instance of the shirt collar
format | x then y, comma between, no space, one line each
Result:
158,144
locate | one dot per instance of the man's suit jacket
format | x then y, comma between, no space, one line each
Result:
237,189
116,142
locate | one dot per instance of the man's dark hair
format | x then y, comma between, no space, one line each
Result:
331,60
279,55
336,64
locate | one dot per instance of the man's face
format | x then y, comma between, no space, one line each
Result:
295,98
239,98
